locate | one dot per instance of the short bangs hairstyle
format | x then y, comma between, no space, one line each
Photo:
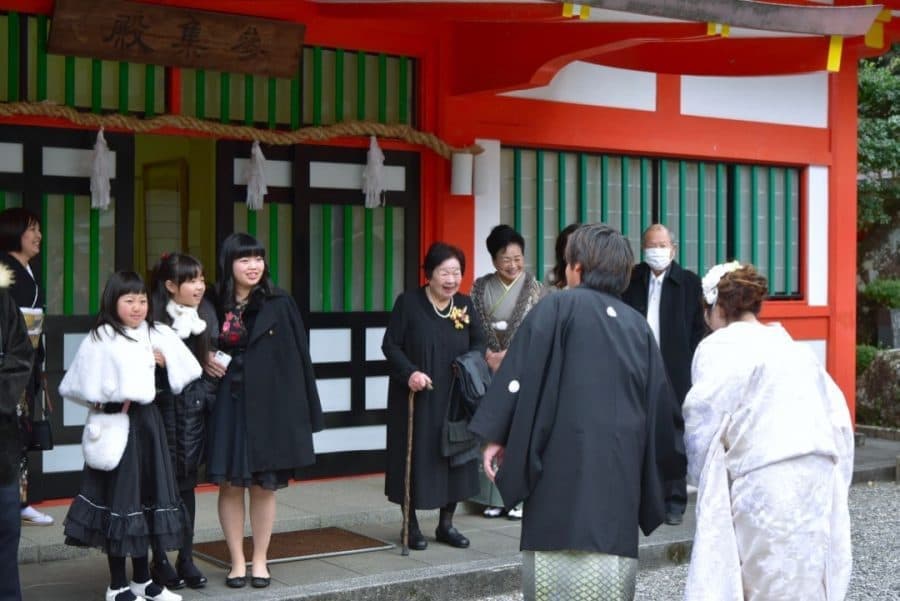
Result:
605,256
501,237
237,246
13,223
118,285
440,252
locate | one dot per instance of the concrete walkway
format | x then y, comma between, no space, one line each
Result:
52,571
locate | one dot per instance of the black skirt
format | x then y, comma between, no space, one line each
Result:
124,511
227,459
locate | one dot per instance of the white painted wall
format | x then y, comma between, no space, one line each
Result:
817,236
787,100
596,85
487,202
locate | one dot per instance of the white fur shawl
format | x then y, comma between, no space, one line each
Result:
111,369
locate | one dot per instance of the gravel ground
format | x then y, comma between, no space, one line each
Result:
875,514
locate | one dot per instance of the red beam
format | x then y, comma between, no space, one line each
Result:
498,57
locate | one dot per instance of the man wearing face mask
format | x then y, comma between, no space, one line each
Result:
669,297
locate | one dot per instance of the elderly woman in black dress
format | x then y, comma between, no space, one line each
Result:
429,327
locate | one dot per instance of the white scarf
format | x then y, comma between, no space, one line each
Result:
185,320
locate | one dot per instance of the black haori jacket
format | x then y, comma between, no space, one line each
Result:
282,407
583,407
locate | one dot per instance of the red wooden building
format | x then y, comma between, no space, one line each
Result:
737,130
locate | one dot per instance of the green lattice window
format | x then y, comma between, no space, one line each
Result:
716,211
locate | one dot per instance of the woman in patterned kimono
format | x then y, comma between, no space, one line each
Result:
502,300
772,516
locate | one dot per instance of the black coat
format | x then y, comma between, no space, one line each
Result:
15,370
582,407
26,293
417,339
184,415
681,324
282,407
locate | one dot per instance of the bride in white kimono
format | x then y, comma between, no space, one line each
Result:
770,448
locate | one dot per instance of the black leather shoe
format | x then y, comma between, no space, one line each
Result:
164,574
673,518
260,582
452,537
193,577
236,582
417,540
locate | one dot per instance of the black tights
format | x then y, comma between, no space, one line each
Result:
445,521
185,553
117,578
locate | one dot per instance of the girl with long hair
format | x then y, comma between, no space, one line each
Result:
267,406
178,287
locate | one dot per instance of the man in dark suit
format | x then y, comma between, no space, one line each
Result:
669,297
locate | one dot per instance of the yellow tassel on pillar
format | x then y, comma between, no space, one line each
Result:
875,36
570,9
721,29
835,49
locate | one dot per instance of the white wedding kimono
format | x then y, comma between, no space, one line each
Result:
770,448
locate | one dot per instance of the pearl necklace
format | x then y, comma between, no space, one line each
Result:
435,307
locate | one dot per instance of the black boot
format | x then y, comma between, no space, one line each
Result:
189,572
417,541
163,574
446,533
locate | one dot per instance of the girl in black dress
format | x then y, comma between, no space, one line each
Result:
135,505
178,289
267,406
429,327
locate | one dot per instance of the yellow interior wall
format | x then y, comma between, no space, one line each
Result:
200,154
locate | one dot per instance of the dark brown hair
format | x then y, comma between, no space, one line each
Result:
605,256
741,291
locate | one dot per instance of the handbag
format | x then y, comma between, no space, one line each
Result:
41,435
104,438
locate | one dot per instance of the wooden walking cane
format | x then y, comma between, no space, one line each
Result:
409,444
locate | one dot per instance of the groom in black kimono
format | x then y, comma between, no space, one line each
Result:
579,417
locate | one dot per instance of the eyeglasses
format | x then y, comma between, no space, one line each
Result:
510,260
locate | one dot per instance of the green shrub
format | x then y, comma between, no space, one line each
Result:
883,293
865,353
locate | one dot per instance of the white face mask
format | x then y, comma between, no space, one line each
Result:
658,258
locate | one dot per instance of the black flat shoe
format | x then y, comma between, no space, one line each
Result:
236,582
417,540
164,574
452,537
260,582
193,577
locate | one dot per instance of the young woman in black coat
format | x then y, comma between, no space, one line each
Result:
267,406
15,367
178,301
20,243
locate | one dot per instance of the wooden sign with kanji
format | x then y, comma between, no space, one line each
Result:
165,35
